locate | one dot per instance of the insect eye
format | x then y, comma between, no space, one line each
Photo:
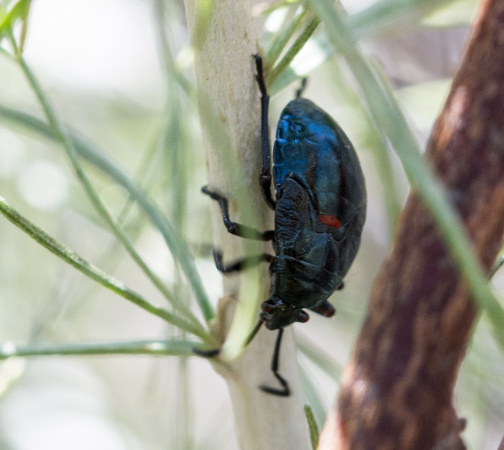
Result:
297,127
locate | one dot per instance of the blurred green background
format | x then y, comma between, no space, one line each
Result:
112,71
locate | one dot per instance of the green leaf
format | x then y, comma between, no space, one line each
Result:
380,17
312,426
281,38
389,118
93,272
98,158
390,14
18,11
171,347
293,50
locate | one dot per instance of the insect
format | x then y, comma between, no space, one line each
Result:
320,209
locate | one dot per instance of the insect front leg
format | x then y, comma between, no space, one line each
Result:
324,309
265,176
233,227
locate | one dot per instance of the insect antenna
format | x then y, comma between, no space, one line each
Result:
285,391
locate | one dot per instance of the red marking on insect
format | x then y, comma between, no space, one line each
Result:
330,220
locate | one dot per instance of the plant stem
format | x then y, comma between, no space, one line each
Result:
230,114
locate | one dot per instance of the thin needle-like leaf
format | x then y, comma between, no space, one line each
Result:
379,17
19,10
312,425
280,40
93,272
98,158
293,50
169,347
60,132
390,119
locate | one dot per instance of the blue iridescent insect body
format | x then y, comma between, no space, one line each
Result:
320,209
319,214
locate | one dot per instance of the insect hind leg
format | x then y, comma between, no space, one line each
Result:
285,390
239,265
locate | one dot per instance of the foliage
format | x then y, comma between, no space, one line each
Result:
131,166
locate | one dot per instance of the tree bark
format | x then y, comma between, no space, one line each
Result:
397,389
229,107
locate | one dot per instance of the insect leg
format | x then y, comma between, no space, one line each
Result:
206,353
325,309
265,176
233,227
300,91
245,263
285,391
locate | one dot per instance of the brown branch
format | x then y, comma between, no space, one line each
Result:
397,390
